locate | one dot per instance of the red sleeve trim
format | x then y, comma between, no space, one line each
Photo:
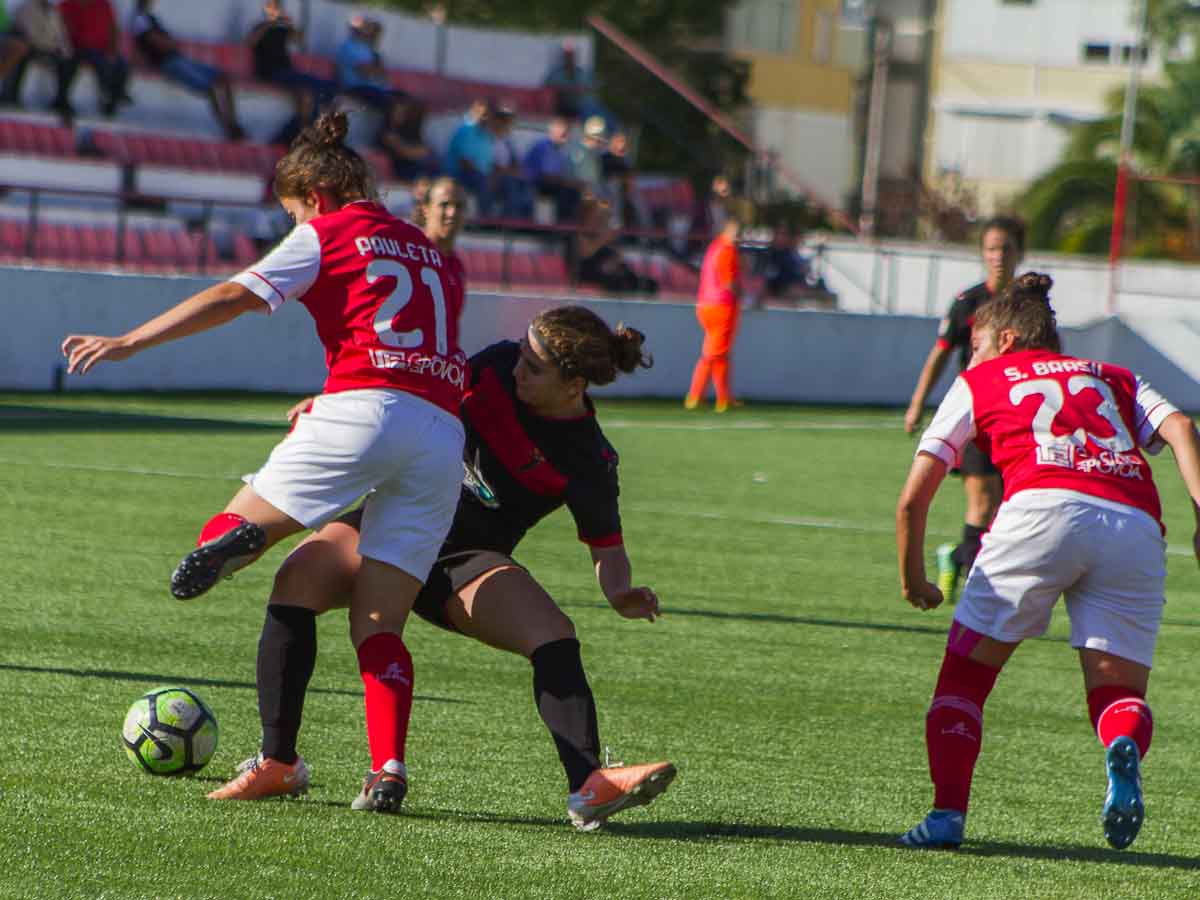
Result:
282,299
609,540
943,344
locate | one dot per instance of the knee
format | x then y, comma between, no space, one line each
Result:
558,627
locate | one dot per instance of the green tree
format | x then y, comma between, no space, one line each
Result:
1070,207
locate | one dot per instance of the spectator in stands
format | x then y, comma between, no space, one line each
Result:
92,28
781,265
360,69
161,51
471,155
617,173
713,209
401,138
39,35
268,42
548,169
574,91
508,178
599,263
587,154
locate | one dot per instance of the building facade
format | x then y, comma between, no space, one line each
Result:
1010,77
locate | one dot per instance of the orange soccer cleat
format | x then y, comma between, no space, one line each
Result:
260,777
608,791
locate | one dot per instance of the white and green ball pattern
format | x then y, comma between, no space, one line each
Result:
170,731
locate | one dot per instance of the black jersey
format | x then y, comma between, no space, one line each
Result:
955,330
520,467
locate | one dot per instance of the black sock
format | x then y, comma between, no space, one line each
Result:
965,553
566,705
287,652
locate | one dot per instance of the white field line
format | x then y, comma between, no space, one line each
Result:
646,509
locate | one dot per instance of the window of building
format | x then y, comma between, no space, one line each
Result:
762,26
822,49
1016,2
1127,52
1097,52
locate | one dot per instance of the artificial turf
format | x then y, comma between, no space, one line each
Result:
786,680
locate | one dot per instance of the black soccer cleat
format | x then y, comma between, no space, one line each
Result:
219,558
383,791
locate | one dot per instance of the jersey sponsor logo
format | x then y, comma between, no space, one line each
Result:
474,482
1123,465
452,370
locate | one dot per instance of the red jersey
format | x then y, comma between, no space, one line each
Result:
386,303
720,273
1050,421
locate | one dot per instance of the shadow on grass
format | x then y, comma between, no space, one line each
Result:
42,418
157,678
690,831
782,619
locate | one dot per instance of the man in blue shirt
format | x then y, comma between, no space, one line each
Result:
360,69
549,169
471,156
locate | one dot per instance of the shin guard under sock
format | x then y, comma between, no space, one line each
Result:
954,728
287,653
565,703
387,675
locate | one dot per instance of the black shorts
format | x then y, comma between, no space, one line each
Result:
449,575
975,462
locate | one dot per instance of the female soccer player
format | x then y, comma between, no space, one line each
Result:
386,306
533,444
717,309
1002,245
1080,517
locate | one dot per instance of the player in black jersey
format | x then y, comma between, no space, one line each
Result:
1003,245
533,445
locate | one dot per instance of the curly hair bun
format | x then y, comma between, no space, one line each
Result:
330,129
627,349
1035,284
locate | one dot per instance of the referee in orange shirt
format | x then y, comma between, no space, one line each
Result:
717,309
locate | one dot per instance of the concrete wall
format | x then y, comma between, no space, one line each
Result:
781,355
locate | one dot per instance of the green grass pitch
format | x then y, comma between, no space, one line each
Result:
787,680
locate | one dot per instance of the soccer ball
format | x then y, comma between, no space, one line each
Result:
170,731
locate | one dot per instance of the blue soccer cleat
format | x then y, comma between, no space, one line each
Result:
942,829
1123,807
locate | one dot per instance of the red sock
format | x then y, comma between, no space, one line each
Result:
954,728
219,525
1118,711
387,676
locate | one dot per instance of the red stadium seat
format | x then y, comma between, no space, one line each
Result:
553,269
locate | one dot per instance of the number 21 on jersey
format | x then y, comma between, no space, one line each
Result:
400,297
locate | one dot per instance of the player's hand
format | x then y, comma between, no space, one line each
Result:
912,418
637,603
85,350
303,406
923,595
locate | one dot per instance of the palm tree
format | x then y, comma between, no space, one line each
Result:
1069,208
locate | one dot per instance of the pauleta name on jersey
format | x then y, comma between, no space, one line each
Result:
382,246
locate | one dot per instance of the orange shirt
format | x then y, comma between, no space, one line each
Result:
720,274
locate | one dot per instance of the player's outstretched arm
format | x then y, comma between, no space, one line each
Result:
1179,432
935,364
211,307
615,574
912,512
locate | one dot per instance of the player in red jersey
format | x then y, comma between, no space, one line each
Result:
1002,244
1080,517
533,445
287,647
386,307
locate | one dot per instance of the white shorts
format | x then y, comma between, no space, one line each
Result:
1106,558
403,451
